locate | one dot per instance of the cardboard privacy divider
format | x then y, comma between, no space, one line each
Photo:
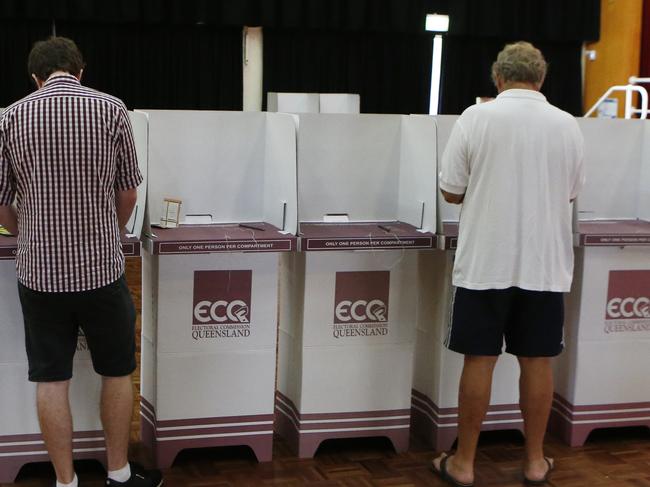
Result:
140,126
339,103
293,102
437,370
348,300
210,290
313,102
377,169
232,166
608,309
20,438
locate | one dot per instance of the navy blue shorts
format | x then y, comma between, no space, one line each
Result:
531,322
106,316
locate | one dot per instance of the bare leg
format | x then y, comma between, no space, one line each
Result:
536,397
56,426
473,402
116,410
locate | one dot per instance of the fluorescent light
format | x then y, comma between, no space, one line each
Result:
437,23
436,66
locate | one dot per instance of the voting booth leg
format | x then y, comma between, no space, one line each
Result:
437,371
10,465
165,452
601,378
208,352
564,424
347,325
306,443
563,428
440,438
439,428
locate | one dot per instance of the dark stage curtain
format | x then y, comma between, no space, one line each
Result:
467,64
373,47
478,30
391,72
350,15
546,20
162,66
16,40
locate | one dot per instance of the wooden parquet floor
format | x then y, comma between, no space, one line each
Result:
610,458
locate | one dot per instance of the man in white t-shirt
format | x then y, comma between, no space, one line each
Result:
515,164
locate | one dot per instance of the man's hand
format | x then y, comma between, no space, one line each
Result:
124,203
454,199
9,219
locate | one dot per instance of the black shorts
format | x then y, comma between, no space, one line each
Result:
530,321
106,316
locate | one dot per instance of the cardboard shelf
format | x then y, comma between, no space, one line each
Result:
8,247
130,247
363,236
602,233
614,233
205,239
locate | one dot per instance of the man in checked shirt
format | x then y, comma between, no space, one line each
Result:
67,159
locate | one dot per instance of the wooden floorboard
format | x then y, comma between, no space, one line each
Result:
610,458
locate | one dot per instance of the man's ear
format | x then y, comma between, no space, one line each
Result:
37,82
81,73
499,83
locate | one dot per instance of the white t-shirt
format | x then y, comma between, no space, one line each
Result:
519,162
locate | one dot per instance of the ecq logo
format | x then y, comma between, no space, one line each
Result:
628,295
361,297
222,297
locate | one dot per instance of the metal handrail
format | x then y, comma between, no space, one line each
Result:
628,90
636,80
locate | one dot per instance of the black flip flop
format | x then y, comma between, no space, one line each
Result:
543,480
445,475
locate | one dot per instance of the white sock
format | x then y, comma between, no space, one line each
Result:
74,483
121,475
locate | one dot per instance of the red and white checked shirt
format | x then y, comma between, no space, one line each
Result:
64,151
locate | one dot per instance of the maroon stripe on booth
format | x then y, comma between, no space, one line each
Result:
206,426
443,416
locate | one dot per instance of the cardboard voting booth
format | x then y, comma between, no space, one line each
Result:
339,103
293,102
601,379
366,186
437,369
20,438
210,285
313,102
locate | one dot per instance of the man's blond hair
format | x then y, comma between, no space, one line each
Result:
520,62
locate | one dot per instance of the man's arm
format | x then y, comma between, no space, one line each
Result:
454,199
124,204
9,218
454,174
128,175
